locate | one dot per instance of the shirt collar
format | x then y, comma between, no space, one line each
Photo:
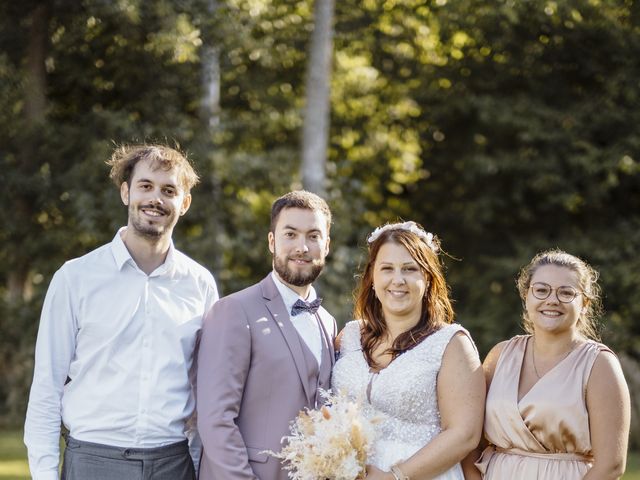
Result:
121,254
289,297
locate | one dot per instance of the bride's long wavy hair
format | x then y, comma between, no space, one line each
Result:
437,310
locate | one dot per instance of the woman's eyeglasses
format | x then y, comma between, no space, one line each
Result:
564,294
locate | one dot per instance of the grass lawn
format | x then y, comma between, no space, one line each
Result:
13,459
633,466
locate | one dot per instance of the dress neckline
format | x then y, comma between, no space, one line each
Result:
375,374
547,374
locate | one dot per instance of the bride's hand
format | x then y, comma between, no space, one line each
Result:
374,473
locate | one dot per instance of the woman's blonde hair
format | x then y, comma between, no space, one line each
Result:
587,282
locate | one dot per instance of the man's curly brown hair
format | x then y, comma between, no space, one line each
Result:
126,157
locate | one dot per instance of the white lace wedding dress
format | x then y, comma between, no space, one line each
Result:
403,395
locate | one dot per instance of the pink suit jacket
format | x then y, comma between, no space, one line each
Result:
252,382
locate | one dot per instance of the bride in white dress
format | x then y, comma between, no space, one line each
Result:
410,365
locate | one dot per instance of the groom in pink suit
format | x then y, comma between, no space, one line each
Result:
266,350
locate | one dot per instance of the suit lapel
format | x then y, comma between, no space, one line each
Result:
276,307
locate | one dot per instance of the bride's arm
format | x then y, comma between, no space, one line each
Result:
489,367
338,341
461,395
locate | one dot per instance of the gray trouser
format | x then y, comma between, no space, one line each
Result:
92,461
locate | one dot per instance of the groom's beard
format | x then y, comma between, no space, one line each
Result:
306,275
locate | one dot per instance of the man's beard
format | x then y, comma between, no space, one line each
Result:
298,279
143,228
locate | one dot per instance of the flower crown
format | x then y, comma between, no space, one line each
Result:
409,226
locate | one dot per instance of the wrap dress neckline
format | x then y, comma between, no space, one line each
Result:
545,433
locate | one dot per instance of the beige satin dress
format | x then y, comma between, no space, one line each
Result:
545,435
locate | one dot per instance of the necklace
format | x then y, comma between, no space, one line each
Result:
533,357
533,360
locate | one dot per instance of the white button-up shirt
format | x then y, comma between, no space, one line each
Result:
114,353
306,324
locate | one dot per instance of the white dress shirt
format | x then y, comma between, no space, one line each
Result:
114,353
306,324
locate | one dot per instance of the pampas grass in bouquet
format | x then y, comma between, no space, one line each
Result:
332,442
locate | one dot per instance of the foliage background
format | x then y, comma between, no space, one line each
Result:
505,126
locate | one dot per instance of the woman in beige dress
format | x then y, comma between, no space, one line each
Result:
558,404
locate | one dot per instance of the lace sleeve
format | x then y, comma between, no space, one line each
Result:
350,338
436,344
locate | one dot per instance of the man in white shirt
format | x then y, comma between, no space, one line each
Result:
117,336
267,351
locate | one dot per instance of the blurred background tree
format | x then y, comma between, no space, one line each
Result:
504,126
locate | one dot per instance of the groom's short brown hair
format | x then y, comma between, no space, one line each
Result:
299,199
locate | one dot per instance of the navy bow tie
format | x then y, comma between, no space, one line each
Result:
302,306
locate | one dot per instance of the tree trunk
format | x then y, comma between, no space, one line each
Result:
210,105
315,136
19,285
210,117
